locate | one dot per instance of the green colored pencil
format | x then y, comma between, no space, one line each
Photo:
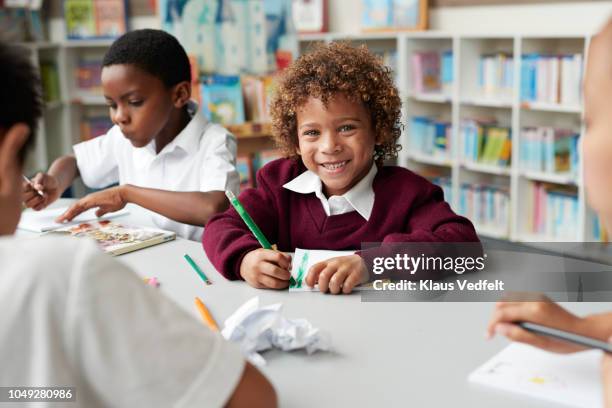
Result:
197,269
263,241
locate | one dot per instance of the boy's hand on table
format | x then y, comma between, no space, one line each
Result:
266,269
109,200
545,312
47,184
340,274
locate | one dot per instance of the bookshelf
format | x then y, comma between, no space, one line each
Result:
514,185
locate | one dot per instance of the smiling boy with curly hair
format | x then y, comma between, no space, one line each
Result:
336,115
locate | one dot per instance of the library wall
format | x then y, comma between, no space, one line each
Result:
563,17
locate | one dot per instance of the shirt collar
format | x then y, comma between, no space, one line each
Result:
189,138
361,196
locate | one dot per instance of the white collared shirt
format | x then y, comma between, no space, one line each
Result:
360,198
202,157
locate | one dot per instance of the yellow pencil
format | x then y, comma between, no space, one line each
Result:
208,319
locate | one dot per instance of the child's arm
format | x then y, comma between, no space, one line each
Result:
52,184
191,207
235,252
549,314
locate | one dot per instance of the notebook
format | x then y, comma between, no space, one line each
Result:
567,379
117,239
43,221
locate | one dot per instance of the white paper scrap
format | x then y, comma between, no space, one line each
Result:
258,328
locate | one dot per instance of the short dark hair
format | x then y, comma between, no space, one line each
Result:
154,51
20,94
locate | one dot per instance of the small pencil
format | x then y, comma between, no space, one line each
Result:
206,316
567,336
40,193
197,269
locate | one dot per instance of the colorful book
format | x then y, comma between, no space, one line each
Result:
80,19
111,19
222,99
116,238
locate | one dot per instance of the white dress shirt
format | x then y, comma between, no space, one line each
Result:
73,316
360,198
202,157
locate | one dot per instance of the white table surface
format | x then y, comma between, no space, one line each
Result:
385,354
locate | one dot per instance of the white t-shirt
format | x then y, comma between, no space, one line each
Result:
202,157
73,316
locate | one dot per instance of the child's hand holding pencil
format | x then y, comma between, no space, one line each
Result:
266,269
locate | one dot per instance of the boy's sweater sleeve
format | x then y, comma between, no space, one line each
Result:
431,221
227,239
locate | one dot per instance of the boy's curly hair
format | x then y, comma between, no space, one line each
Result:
338,68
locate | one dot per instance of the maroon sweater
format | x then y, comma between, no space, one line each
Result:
407,208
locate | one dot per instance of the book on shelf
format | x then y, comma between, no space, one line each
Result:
257,91
426,72
554,211
599,230
95,18
94,126
441,179
496,74
548,149
266,156
246,171
484,141
49,77
389,59
430,136
555,79
377,14
486,205
222,100
89,74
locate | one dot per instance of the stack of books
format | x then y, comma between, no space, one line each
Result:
484,141
430,136
554,211
551,150
552,78
496,75
432,72
486,205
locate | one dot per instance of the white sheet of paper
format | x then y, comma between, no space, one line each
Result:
303,259
573,379
44,220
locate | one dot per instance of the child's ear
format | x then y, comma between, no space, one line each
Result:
181,94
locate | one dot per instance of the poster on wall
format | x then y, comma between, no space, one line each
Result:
230,37
310,16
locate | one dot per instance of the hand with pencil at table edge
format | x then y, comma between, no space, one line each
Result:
48,185
338,275
266,269
546,312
